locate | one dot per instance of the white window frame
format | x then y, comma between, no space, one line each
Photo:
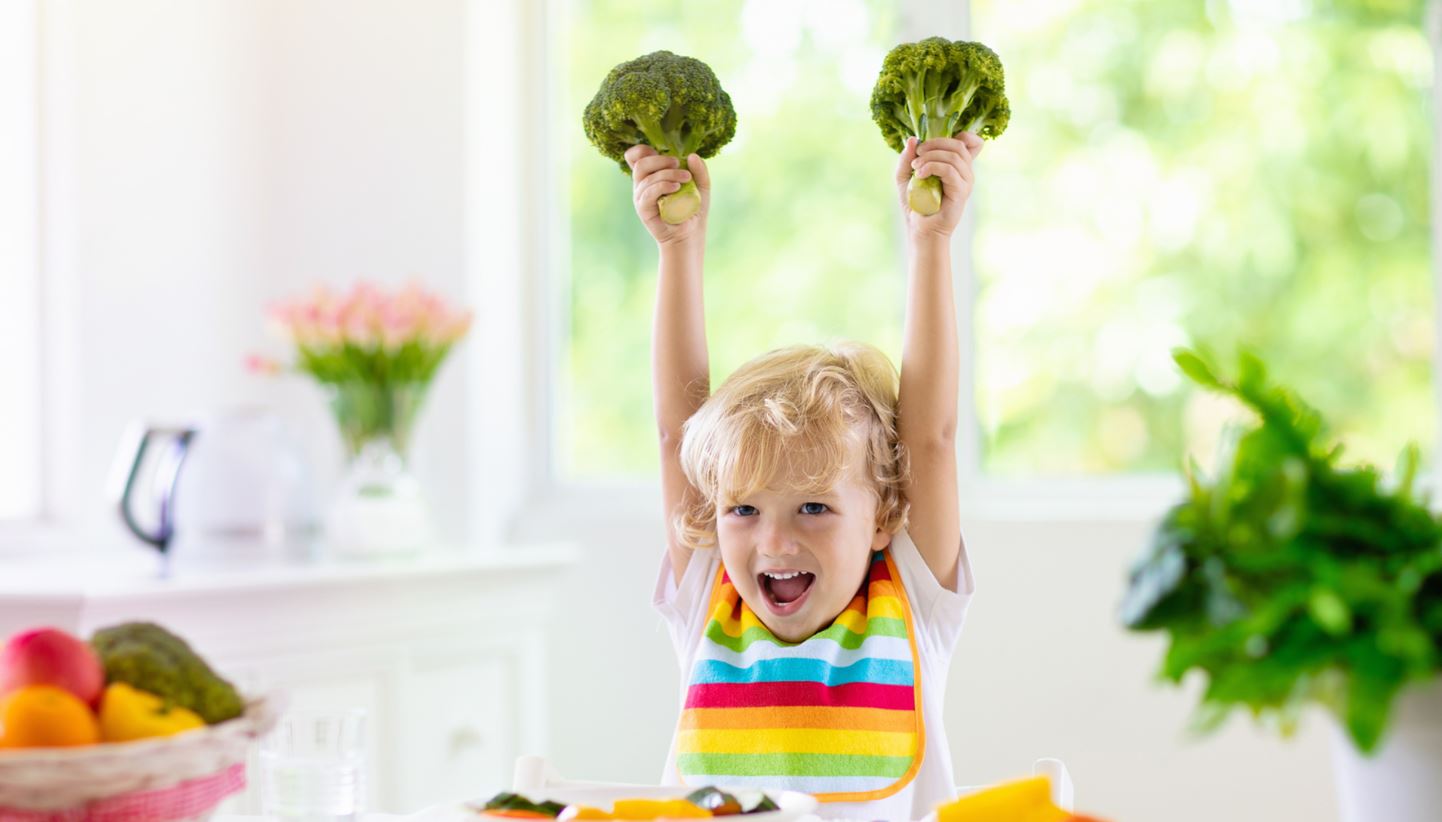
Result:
541,503
1432,22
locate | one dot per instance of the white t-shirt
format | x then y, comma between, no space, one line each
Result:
937,616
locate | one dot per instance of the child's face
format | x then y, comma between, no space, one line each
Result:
822,542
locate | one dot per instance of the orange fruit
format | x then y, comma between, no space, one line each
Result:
43,716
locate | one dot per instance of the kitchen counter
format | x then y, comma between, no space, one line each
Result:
446,651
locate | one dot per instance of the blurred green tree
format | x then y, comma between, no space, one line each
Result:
1203,172
1210,173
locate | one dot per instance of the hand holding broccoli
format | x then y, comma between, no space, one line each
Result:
671,104
656,176
936,88
948,160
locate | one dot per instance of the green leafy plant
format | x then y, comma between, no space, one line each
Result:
672,103
375,350
938,88
1290,579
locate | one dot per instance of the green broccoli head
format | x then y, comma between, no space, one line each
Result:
938,88
672,103
148,657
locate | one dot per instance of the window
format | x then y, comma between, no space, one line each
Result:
19,266
803,241
1204,173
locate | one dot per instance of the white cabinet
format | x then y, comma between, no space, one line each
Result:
447,656
464,732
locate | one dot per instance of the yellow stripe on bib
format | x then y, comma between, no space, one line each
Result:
803,716
796,740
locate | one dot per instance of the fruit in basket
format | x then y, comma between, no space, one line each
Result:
50,656
128,713
152,659
44,716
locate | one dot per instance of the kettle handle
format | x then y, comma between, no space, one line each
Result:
166,474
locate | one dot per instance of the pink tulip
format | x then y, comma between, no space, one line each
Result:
398,327
263,366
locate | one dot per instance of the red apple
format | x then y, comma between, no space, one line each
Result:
50,656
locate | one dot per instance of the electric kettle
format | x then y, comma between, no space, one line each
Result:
232,486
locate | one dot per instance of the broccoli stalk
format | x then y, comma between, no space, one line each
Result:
938,88
673,104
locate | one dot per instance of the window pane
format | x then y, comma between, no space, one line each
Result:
1206,173
803,243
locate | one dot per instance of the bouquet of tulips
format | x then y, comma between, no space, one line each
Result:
376,351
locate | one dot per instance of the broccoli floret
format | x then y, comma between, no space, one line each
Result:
938,88
148,657
672,103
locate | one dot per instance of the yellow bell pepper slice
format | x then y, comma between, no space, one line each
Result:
128,713
582,812
657,809
1025,800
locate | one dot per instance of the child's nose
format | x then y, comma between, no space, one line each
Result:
775,541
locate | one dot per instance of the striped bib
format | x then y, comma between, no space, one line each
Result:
837,715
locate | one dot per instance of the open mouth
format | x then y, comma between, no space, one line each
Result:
785,591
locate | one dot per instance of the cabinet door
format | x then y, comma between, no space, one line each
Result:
459,730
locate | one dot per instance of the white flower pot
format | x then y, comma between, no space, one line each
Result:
1402,780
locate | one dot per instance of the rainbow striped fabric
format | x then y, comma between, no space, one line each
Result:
837,715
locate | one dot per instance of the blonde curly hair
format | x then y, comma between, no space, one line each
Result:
798,406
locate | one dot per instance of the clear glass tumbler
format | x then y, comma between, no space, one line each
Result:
312,767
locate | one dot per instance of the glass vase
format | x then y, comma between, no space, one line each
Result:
378,508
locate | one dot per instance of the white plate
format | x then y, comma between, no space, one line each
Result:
794,805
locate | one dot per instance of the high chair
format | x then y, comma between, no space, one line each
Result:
534,775
1056,773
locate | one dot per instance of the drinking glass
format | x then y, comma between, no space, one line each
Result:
312,766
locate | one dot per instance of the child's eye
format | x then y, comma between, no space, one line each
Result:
743,510
820,505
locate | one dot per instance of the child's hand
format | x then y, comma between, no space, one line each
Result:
948,159
653,176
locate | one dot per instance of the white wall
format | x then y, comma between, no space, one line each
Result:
203,158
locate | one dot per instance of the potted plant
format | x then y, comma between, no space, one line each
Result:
375,353
1289,579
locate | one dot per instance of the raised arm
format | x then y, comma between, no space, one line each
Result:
681,379
930,359
680,369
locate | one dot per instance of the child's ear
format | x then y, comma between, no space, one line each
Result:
880,539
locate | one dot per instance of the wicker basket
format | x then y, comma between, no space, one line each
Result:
135,780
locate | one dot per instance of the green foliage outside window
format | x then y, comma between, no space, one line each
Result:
1253,172
804,240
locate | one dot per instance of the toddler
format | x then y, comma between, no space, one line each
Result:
815,579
